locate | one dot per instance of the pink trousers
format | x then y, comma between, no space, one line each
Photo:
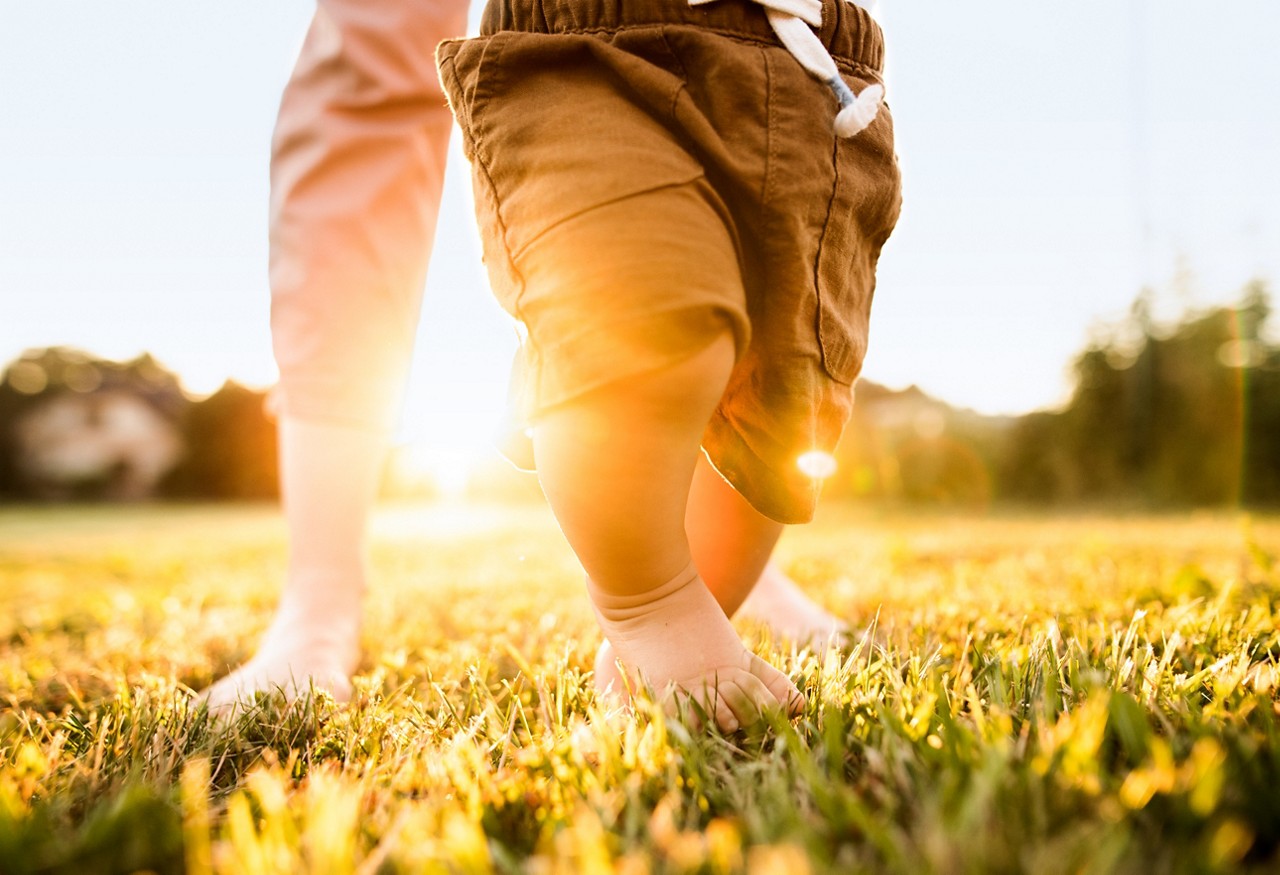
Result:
356,170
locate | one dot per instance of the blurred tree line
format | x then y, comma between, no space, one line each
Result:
1184,414
1187,414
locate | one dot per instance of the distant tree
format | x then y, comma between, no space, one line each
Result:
1189,415
905,445
229,442
230,448
11,404
1260,482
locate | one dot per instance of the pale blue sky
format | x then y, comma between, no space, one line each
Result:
1057,156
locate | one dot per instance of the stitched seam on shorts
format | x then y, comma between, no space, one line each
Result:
502,227
770,141
675,100
482,167
496,48
604,203
684,71
530,349
817,264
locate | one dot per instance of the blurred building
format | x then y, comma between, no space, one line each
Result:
74,427
111,444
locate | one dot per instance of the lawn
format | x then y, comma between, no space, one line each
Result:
1046,694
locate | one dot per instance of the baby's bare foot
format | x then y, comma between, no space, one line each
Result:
676,639
778,603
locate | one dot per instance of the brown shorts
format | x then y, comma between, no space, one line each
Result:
649,173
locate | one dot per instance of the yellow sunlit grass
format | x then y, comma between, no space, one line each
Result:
1044,694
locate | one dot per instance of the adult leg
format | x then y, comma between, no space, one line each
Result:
329,477
356,171
616,466
357,167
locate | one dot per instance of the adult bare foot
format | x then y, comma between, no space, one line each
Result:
312,646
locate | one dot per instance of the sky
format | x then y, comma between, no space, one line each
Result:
1056,158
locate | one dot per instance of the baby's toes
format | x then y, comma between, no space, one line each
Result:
695,705
748,696
724,714
226,694
731,698
780,687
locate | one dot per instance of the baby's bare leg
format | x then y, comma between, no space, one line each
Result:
732,543
616,466
777,602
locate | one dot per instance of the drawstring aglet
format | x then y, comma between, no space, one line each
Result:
856,112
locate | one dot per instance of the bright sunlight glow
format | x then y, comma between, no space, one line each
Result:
817,464
447,472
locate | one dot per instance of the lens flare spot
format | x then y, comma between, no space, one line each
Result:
27,378
1242,354
817,464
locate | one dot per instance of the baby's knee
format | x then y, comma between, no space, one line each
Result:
696,381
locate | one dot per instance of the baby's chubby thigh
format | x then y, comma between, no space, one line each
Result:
628,287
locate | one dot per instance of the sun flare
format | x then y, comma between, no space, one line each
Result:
816,464
425,467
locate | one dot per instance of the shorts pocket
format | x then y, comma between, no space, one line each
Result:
470,73
864,209
571,123
560,125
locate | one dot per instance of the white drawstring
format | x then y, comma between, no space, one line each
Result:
791,21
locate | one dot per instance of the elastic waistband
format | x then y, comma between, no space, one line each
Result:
849,32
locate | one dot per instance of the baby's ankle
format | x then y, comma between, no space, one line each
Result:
676,639
616,607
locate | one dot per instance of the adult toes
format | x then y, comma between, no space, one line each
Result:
223,698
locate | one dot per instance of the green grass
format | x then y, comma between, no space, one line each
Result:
1084,694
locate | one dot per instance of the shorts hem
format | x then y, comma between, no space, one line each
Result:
754,478
555,384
